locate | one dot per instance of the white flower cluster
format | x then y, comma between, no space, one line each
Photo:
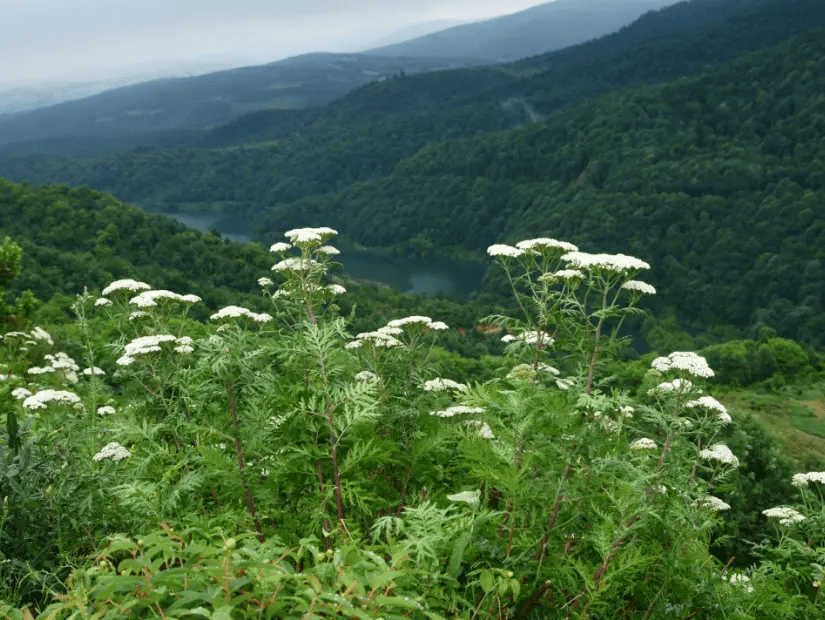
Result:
235,312
58,362
20,393
366,376
442,385
627,411
113,451
709,402
426,321
449,412
677,385
691,363
720,452
264,282
44,397
619,263
336,289
382,337
799,480
149,299
151,344
639,287
32,337
643,444
542,338
712,502
529,371
106,410
561,274
304,236
280,247
102,301
500,249
481,428
740,581
138,314
125,285
786,516
545,243
564,384
296,264
94,370
328,250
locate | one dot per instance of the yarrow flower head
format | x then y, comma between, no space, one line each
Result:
106,410
691,363
234,312
336,289
329,250
20,393
376,338
296,264
618,263
449,412
366,376
500,249
149,299
740,581
425,321
264,282
561,274
307,236
545,243
799,480
113,451
720,452
786,516
94,370
712,502
709,402
481,428
639,287
643,444
677,385
125,285
102,301
280,247
44,397
442,385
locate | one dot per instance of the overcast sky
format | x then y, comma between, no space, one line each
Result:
43,40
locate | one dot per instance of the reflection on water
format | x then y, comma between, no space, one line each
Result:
416,276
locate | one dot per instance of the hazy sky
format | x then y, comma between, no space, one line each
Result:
44,40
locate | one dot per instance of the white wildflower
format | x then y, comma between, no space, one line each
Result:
720,452
264,282
677,385
740,581
712,502
423,320
377,339
802,480
561,274
392,331
125,360
619,263
40,370
366,376
38,333
690,362
142,346
355,344
102,301
149,299
564,384
113,451
234,312
438,325
184,348
627,411
138,314
44,397
299,236
449,412
499,249
125,285
20,393
441,385
94,370
786,516
639,286
481,428
296,264
280,247
336,289
106,410
643,444
329,250
508,338
543,242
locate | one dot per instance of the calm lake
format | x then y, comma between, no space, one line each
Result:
416,276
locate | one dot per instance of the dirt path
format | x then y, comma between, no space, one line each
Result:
817,406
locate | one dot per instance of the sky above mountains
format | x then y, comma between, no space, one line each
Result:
72,40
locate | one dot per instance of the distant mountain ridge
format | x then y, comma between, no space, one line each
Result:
543,28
